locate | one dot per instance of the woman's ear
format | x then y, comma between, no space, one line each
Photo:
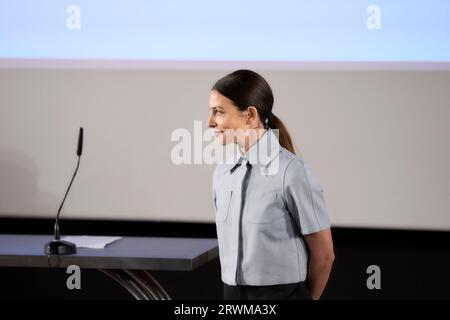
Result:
252,114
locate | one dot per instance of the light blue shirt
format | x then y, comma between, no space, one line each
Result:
262,211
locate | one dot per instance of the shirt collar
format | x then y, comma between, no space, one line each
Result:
260,154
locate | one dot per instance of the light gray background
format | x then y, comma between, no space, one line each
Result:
378,140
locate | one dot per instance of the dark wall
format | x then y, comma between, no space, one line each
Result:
414,264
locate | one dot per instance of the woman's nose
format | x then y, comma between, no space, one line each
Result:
211,122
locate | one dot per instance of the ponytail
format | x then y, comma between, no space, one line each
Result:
284,138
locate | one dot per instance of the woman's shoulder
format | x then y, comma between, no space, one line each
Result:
289,159
294,165
297,170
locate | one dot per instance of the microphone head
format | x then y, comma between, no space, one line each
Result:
80,142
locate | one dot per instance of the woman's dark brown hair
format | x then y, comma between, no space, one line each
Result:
247,88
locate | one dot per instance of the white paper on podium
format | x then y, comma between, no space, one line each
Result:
91,242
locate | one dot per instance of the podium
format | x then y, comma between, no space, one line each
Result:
127,261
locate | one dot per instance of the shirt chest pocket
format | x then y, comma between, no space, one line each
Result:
223,205
264,207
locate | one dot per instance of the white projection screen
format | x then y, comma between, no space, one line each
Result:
363,87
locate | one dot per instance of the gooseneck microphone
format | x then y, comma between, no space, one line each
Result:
58,247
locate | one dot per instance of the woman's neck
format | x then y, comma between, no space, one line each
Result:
248,143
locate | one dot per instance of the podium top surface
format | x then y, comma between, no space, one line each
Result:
135,253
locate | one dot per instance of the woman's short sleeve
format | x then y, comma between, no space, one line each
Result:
304,197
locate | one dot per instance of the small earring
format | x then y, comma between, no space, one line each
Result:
266,123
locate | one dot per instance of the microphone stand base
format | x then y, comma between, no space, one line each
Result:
58,247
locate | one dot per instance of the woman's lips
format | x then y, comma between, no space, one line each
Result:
218,132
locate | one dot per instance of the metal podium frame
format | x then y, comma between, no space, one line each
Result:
128,261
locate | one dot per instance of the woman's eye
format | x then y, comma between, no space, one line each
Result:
218,112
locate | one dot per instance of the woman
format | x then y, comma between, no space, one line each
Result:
272,226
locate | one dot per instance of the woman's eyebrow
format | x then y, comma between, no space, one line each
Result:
215,107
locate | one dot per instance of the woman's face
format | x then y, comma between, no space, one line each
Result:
224,115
